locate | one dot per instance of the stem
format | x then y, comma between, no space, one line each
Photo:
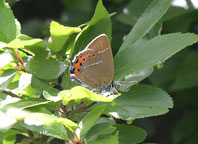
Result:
19,69
19,58
10,94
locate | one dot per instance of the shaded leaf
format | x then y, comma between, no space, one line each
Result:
53,130
112,139
130,134
133,58
87,122
141,101
133,11
43,67
99,129
187,75
148,19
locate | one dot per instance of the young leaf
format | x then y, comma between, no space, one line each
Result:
59,35
141,101
87,122
130,134
43,67
8,29
30,45
100,23
68,123
77,93
148,19
133,58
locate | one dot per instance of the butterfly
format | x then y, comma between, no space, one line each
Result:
93,67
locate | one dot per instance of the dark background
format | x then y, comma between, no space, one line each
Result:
178,77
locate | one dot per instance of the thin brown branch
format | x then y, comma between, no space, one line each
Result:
19,59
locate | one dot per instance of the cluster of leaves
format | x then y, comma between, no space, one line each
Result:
40,108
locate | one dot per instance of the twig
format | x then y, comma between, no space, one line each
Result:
10,93
19,58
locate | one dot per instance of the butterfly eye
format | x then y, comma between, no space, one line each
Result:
94,56
89,56
84,60
81,64
78,70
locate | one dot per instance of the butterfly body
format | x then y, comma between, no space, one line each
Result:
93,67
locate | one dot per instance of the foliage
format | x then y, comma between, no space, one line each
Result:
36,107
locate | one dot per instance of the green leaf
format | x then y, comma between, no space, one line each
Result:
9,139
2,3
5,58
141,101
18,27
133,57
39,119
30,45
5,80
52,94
59,35
112,139
8,29
132,79
28,103
53,130
130,134
165,76
78,93
187,76
2,45
43,67
25,80
6,122
68,123
99,129
175,11
131,13
100,23
87,122
40,85
148,19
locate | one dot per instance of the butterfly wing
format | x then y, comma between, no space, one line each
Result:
99,68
